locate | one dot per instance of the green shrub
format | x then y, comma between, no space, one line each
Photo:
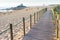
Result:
57,9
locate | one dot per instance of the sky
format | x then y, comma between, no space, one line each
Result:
14,3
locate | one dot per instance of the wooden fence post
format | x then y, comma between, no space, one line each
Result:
30,20
34,18
24,25
11,31
57,29
37,16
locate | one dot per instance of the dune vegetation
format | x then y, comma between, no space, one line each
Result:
57,9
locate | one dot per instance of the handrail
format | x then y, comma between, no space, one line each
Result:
8,28
4,30
56,23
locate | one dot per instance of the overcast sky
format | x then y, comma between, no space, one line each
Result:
12,3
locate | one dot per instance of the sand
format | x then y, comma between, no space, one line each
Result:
15,17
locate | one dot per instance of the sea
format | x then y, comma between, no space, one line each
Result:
4,10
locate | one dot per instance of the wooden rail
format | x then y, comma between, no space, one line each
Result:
56,18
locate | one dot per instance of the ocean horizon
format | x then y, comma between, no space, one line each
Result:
5,10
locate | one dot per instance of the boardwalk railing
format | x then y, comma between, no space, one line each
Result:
56,17
19,30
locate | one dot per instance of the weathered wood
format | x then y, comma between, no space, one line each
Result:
30,20
37,16
11,31
57,28
24,25
34,18
43,30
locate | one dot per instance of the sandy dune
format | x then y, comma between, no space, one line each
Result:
15,17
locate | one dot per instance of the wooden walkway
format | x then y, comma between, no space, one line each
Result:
43,29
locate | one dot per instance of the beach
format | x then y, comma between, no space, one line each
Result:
15,17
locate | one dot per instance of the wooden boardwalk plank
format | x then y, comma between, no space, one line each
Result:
43,30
